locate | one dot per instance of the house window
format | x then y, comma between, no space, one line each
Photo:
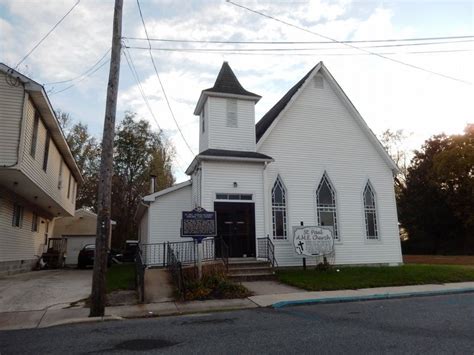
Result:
370,213
17,216
326,205
279,210
232,113
69,185
46,151
243,197
60,179
34,223
34,138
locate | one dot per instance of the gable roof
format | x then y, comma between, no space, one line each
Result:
152,197
273,113
269,120
43,105
226,85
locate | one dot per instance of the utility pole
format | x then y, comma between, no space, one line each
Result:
106,171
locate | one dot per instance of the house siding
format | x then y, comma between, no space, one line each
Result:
164,215
20,246
204,136
11,107
33,166
241,137
317,133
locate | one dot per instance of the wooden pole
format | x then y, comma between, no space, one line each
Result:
106,171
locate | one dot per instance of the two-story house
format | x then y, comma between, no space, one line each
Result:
310,160
38,174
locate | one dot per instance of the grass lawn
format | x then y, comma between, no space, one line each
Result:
121,277
364,277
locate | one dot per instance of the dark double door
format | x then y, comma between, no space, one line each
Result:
236,227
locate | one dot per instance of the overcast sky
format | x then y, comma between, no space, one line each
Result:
387,94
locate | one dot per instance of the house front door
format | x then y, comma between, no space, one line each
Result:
236,227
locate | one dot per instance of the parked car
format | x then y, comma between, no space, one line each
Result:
87,254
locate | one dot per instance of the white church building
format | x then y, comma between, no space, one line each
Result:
311,160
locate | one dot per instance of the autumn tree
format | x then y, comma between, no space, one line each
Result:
139,153
436,206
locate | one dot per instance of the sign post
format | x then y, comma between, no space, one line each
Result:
198,224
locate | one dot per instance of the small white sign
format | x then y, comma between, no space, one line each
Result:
313,240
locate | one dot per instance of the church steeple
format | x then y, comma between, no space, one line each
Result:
227,114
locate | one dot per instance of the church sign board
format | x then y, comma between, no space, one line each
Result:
313,240
198,223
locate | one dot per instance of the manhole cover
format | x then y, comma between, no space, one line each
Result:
144,344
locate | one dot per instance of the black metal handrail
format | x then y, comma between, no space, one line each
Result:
174,267
266,250
224,253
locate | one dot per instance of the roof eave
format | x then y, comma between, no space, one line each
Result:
205,94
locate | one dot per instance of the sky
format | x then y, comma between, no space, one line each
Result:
389,95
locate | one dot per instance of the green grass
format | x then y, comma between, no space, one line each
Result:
365,277
121,277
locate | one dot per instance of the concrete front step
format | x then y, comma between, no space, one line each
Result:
249,266
249,270
255,276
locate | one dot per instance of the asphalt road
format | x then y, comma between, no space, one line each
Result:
442,324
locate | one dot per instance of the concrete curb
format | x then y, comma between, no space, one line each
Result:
382,296
81,320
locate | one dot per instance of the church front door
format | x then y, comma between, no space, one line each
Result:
236,227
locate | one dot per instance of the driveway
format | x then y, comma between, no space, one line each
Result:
39,290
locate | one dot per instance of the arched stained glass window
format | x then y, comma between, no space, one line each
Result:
370,213
326,204
279,210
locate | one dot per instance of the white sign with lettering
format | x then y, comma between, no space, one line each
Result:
313,240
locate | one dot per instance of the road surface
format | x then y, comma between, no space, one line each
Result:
441,324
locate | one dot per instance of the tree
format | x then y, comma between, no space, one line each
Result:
139,152
393,142
86,151
436,206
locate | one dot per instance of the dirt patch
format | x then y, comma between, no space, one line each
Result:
439,259
122,298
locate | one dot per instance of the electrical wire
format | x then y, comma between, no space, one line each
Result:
85,77
348,44
80,76
297,42
47,34
159,80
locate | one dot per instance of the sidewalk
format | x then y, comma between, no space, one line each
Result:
54,317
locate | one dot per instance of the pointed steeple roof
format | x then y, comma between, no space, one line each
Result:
226,85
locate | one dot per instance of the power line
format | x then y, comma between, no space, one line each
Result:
159,80
242,51
133,69
348,44
47,34
85,77
239,49
297,42
80,76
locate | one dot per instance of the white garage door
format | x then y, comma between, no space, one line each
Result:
74,245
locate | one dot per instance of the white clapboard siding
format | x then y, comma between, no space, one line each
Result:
19,243
33,166
316,134
219,177
164,215
196,188
241,137
11,106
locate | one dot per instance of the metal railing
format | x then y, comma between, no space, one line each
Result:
175,268
222,250
266,250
